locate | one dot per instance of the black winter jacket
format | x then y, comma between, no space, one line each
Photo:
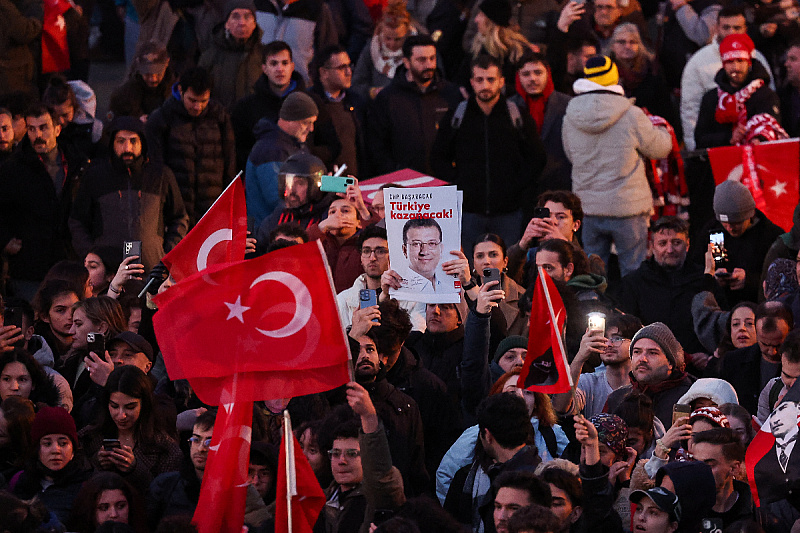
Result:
31,210
116,204
402,123
710,133
134,98
493,161
199,151
58,497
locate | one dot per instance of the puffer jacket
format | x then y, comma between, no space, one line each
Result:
199,150
605,137
115,204
235,66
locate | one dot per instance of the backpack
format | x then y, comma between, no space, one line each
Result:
513,112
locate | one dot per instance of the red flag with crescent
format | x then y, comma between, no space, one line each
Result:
55,50
272,320
770,170
546,368
219,237
307,496
223,493
404,178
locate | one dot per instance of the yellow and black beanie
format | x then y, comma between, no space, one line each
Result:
601,70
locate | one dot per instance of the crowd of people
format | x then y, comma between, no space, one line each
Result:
561,122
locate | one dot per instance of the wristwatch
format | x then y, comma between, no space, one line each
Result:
469,285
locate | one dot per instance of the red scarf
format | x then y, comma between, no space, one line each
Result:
731,108
537,103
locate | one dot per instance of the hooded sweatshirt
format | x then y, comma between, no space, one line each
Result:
605,137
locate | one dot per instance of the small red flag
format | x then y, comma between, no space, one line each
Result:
272,320
770,170
55,49
224,222
308,497
546,368
223,493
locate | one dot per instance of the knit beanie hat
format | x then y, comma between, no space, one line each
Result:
737,46
601,70
712,414
733,202
660,333
512,341
53,421
298,106
718,391
498,11
239,4
611,431
152,58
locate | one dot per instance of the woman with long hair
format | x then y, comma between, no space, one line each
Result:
379,61
106,496
490,252
21,375
16,419
638,72
497,38
129,438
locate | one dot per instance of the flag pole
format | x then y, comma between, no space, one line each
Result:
558,333
291,478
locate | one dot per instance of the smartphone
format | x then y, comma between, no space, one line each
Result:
493,274
680,411
717,240
130,248
109,444
367,298
541,212
13,316
336,183
597,321
96,342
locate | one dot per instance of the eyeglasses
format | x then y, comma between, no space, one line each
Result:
616,339
341,68
202,442
421,244
380,251
350,453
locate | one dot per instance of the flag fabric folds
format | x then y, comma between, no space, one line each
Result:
546,368
219,237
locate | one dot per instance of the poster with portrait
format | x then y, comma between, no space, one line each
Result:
773,460
423,225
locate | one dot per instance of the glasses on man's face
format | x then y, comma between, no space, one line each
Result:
616,339
380,251
349,453
422,244
202,442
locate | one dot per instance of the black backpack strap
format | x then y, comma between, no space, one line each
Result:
549,436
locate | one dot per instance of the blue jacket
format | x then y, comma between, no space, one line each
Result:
272,148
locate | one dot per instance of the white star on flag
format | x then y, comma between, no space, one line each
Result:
236,309
779,188
60,23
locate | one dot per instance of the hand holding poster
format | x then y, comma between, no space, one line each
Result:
424,227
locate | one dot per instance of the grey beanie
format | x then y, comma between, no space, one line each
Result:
512,341
733,202
660,333
298,106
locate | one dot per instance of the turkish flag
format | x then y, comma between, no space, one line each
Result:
776,166
223,492
272,320
55,50
404,178
546,368
307,496
224,222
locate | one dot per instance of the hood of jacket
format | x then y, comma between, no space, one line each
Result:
596,111
265,128
262,89
592,282
41,351
757,72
